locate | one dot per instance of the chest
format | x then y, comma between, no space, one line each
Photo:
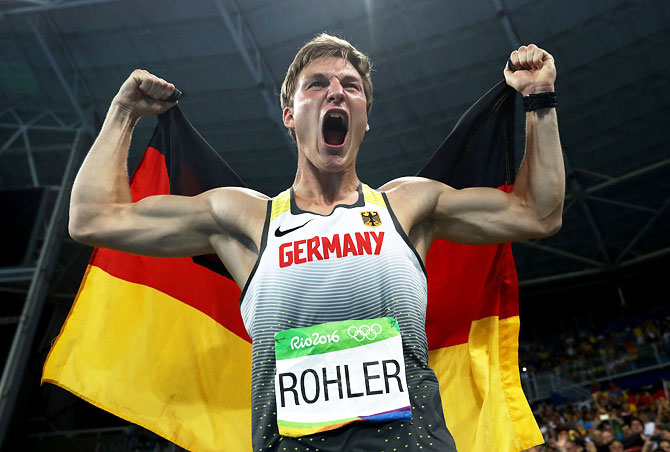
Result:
352,264
314,239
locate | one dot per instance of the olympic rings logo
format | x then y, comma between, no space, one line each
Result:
364,332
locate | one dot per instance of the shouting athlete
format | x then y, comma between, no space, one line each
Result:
328,266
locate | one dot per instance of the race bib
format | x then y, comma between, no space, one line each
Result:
332,374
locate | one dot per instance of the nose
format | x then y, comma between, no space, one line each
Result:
335,91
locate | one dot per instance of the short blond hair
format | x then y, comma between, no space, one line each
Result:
326,46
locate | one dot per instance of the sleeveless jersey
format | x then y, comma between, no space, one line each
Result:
355,263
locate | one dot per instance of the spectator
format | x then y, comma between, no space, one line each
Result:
606,439
636,425
616,446
649,425
626,431
587,421
568,441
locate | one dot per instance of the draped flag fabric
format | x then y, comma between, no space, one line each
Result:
160,342
472,320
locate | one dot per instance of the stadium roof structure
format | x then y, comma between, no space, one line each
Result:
61,62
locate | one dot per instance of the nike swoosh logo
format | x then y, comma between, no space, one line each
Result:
279,233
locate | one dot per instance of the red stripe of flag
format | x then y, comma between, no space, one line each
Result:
467,283
216,295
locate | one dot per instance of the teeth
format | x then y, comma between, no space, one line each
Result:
335,115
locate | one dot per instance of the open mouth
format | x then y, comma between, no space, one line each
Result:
334,128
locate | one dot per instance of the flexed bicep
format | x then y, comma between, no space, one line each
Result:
163,225
429,210
170,225
482,216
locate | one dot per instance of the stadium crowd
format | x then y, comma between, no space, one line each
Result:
615,348
612,421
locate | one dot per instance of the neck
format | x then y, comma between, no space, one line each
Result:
315,188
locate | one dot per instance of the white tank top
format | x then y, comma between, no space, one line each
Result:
356,263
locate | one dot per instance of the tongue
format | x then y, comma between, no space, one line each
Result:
334,137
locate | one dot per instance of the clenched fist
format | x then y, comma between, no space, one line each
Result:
144,94
534,70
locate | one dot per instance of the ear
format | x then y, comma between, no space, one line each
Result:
289,121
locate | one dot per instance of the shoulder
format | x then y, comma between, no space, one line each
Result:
236,204
414,199
235,196
404,189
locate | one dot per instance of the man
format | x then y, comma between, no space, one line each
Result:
329,249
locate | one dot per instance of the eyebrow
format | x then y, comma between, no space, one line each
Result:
352,78
322,75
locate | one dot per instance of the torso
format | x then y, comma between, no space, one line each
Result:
374,271
239,251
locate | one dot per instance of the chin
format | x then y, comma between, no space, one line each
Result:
334,165
338,160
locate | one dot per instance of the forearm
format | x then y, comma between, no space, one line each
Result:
541,179
102,179
659,417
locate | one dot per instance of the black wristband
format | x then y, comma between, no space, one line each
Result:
541,100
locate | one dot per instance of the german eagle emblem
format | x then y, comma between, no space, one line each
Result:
371,218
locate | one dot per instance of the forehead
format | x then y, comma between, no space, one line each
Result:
330,66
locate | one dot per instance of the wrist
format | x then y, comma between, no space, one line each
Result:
120,119
123,113
537,89
540,101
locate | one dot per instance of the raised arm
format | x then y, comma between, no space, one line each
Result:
486,215
101,209
540,183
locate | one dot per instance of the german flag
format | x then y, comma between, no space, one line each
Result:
160,342
472,320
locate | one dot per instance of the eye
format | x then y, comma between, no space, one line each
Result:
316,84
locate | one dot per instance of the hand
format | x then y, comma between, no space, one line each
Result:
534,70
144,94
